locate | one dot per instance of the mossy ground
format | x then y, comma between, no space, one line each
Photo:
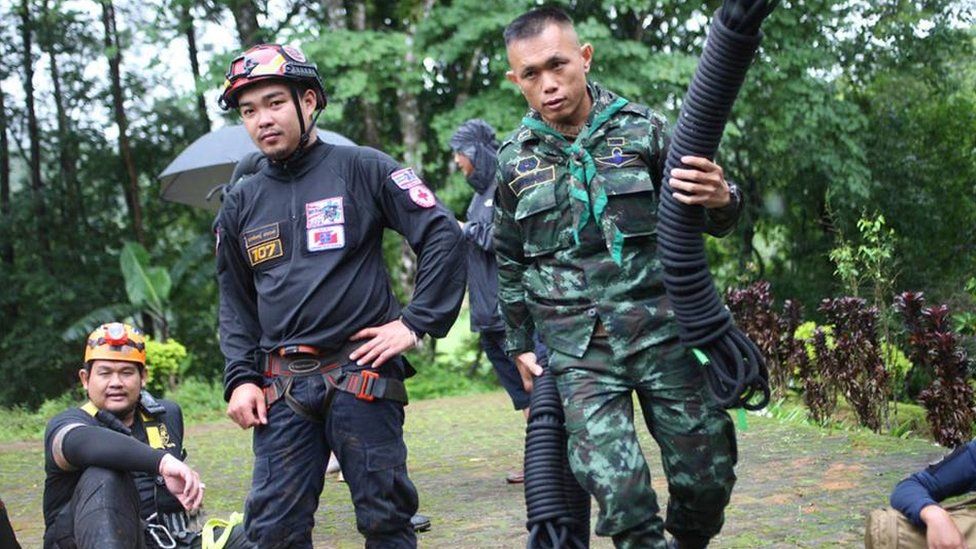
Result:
799,485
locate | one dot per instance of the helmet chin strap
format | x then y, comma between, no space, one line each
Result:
306,132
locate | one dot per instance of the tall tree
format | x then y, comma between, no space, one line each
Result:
67,143
371,126
187,25
33,134
113,51
6,244
245,12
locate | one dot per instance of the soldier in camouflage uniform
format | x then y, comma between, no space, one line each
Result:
575,225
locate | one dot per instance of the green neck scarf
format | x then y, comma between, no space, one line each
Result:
582,169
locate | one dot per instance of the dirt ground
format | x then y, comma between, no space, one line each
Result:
799,486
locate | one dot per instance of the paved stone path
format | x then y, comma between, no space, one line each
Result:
799,486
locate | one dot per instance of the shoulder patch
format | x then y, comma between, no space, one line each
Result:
531,173
405,178
422,196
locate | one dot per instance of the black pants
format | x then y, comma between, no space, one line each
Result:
103,513
291,453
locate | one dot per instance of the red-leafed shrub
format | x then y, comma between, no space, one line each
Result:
856,358
752,308
948,400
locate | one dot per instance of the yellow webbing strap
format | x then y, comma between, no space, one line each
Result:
227,525
90,408
153,435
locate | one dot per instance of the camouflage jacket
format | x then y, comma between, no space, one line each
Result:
575,230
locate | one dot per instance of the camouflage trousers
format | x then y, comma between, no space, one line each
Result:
695,436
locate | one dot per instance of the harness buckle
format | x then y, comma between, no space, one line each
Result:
366,385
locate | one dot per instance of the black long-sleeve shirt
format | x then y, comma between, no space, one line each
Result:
299,255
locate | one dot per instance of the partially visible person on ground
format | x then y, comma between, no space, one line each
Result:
919,495
8,540
311,331
117,461
575,227
475,151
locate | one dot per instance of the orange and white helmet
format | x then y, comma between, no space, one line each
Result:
270,61
116,341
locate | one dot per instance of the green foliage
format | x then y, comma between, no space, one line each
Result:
166,363
963,321
804,332
835,118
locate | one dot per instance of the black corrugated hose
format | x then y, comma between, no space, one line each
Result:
557,508
734,367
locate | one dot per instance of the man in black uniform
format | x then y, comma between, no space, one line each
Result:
118,457
310,329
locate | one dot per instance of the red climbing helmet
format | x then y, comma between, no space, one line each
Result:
266,61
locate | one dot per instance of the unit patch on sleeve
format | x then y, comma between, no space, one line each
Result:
422,196
260,235
259,253
324,212
405,178
531,174
326,238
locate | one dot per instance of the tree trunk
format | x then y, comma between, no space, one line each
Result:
335,14
10,311
186,23
37,185
371,127
249,32
467,79
6,244
67,146
408,107
114,52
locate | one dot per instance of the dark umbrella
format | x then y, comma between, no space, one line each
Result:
209,162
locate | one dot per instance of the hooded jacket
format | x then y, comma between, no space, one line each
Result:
475,139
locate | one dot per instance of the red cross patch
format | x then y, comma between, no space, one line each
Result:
422,196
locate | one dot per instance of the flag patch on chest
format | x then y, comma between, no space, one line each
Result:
324,212
326,238
405,178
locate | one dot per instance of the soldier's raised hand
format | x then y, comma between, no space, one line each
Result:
704,184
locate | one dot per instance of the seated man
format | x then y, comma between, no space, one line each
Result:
918,496
117,461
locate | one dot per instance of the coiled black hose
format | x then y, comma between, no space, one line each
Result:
557,508
734,367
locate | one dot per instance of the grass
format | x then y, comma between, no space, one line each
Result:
799,485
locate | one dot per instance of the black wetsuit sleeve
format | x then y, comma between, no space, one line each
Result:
238,315
88,446
434,235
